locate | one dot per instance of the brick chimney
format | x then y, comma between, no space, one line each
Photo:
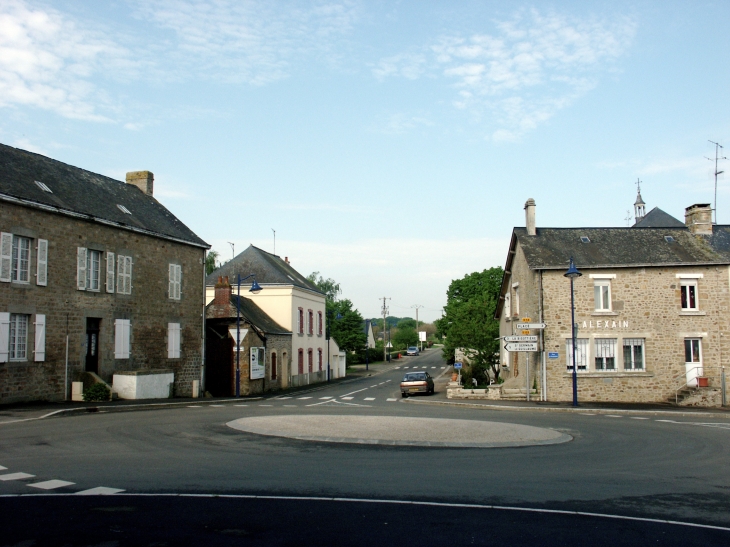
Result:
222,292
286,259
530,217
698,218
144,180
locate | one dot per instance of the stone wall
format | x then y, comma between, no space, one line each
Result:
148,307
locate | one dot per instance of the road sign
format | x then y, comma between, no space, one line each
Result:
552,354
530,325
526,331
526,319
532,338
521,346
457,365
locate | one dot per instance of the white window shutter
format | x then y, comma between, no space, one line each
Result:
81,268
6,256
171,282
120,274
4,336
109,272
122,333
178,282
41,277
173,340
128,274
40,337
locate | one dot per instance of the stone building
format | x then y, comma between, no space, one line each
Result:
292,302
264,349
651,309
95,275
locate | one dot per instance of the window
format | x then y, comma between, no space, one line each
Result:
300,361
21,259
319,323
124,274
319,356
602,294
122,334
692,350
43,187
581,353
273,365
633,354
123,209
175,281
585,239
688,289
605,354
310,360
93,269
300,321
18,340
310,322
173,341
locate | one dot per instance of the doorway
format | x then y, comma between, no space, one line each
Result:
92,345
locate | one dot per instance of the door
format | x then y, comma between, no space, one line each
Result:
92,345
692,360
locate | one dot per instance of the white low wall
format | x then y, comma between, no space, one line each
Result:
144,384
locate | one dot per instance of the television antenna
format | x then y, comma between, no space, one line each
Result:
717,158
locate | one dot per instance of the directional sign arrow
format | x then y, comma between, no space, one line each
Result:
531,338
521,346
530,325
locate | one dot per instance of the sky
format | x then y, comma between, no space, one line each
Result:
390,145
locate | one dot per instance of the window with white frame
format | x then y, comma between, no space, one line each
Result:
93,270
633,354
21,259
173,340
18,339
688,288
602,294
122,338
605,357
581,353
692,350
124,274
175,281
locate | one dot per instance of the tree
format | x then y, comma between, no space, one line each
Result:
348,329
407,322
210,259
405,336
329,287
469,322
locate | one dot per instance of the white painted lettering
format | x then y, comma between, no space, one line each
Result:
613,325
598,324
585,324
626,324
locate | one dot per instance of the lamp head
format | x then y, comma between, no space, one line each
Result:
255,287
572,270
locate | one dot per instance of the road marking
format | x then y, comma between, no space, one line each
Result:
347,398
266,405
353,392
15,476
240,405
99,491
287,397
2,468
51,485
388,381
290,406
302,398
391,399
396,368
324,398
638,418
217,406
613,416
369,399
587,414
668,421
193,406
376,385
433,367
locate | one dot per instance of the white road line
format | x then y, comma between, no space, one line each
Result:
99,491
51,485
369,399
613,416
193,406
391,399
376,385
240,405
668,421
347,398
2,468
388,381
325,398
266,405
217,406
302,398
283,397
396,368
587,414
638,418
291,406
15,476
353,392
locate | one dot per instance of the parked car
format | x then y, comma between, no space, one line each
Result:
412,350
416,382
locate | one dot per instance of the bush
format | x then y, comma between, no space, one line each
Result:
97,392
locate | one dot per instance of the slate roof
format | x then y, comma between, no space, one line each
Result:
270,269
552,248
257,317
656,218
86,195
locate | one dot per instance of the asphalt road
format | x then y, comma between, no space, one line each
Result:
628,465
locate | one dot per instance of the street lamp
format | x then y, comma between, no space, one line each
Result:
572,273
255,289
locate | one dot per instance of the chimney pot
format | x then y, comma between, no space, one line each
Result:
144,180
222,292
530,217
698,218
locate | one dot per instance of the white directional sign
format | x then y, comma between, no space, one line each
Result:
530,325
531,338
521,346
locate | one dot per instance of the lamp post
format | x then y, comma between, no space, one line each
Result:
255,289
572,273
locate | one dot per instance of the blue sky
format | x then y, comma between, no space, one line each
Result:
391,145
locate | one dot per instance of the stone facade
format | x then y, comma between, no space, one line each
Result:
148,308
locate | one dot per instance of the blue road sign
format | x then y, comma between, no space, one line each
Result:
457,365
552,355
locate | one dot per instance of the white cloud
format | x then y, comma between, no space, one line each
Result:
47,61
532,66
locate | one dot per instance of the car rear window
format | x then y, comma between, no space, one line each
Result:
414,376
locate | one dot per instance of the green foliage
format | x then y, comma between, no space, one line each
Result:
348,330
210,259
404,337
329,287
97,392
469,322
407,322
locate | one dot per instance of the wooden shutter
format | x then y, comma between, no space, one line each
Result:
122,331
81,268
6,256
173,340
41,277
40,337
171,281
128,274
178,282
4,336
109,272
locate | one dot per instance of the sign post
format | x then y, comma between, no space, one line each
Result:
457,366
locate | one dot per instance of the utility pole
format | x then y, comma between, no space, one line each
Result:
385,314
716,159
233,249
419,336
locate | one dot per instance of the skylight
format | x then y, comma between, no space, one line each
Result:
585,239
43,186
124,210
669,239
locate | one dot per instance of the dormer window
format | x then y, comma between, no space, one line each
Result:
669,239
43,186
124,210
585,239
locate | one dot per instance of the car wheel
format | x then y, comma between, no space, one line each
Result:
403,394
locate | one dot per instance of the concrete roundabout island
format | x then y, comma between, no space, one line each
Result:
400,431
